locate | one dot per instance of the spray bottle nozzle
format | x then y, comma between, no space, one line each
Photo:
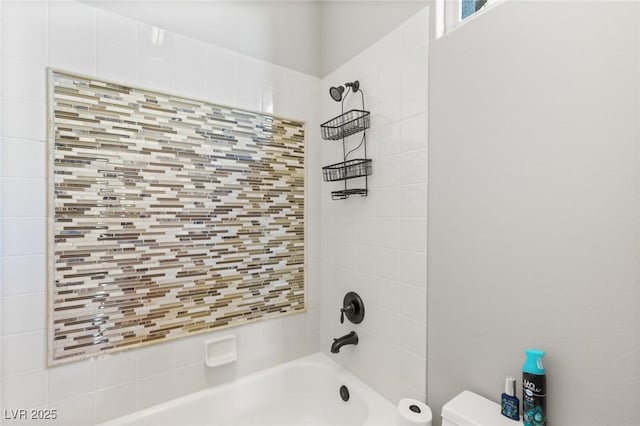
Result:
533,364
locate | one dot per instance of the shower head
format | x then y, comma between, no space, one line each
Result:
336,93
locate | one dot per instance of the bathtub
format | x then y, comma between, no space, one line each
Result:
305,391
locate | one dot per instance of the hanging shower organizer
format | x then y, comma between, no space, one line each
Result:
344,125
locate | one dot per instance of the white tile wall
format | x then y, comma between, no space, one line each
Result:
23,197
222,81
69,380
23,158
116,369
154,42
115,401
23,274
72,37
191,71
23,80
25,389
377,245
24,30
18,119
14,320
23,352
76,411
23,236
116,47
78,38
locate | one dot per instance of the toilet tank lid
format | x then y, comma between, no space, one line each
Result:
470,409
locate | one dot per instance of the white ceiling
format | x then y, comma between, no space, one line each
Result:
311,36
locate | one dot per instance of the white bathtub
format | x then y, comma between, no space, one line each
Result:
301,392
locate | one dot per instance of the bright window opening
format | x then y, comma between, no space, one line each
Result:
469,7
451,13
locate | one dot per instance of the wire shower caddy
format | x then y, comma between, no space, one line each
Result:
339,128
346,124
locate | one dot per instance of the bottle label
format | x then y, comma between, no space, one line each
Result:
534,399
510,407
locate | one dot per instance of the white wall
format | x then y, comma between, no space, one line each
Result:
310,36
1,214
533,206
377,245
79,38
285,33
349,27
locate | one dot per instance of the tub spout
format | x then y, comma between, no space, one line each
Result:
347,339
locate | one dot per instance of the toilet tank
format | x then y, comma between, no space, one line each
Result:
470,409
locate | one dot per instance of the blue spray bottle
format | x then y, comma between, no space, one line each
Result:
534,389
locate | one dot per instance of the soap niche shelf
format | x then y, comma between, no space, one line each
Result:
339,128
220,350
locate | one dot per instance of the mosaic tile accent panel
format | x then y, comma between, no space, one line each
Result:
168,217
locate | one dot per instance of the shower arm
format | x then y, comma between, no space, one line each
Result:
346,154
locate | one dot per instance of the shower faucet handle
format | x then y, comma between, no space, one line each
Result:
348,308
352,308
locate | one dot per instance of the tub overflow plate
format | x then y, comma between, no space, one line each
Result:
344,393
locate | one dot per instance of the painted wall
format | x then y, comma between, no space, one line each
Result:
533,206
80,38
349,27
377,245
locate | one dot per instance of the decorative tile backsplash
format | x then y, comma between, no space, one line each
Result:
168,216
